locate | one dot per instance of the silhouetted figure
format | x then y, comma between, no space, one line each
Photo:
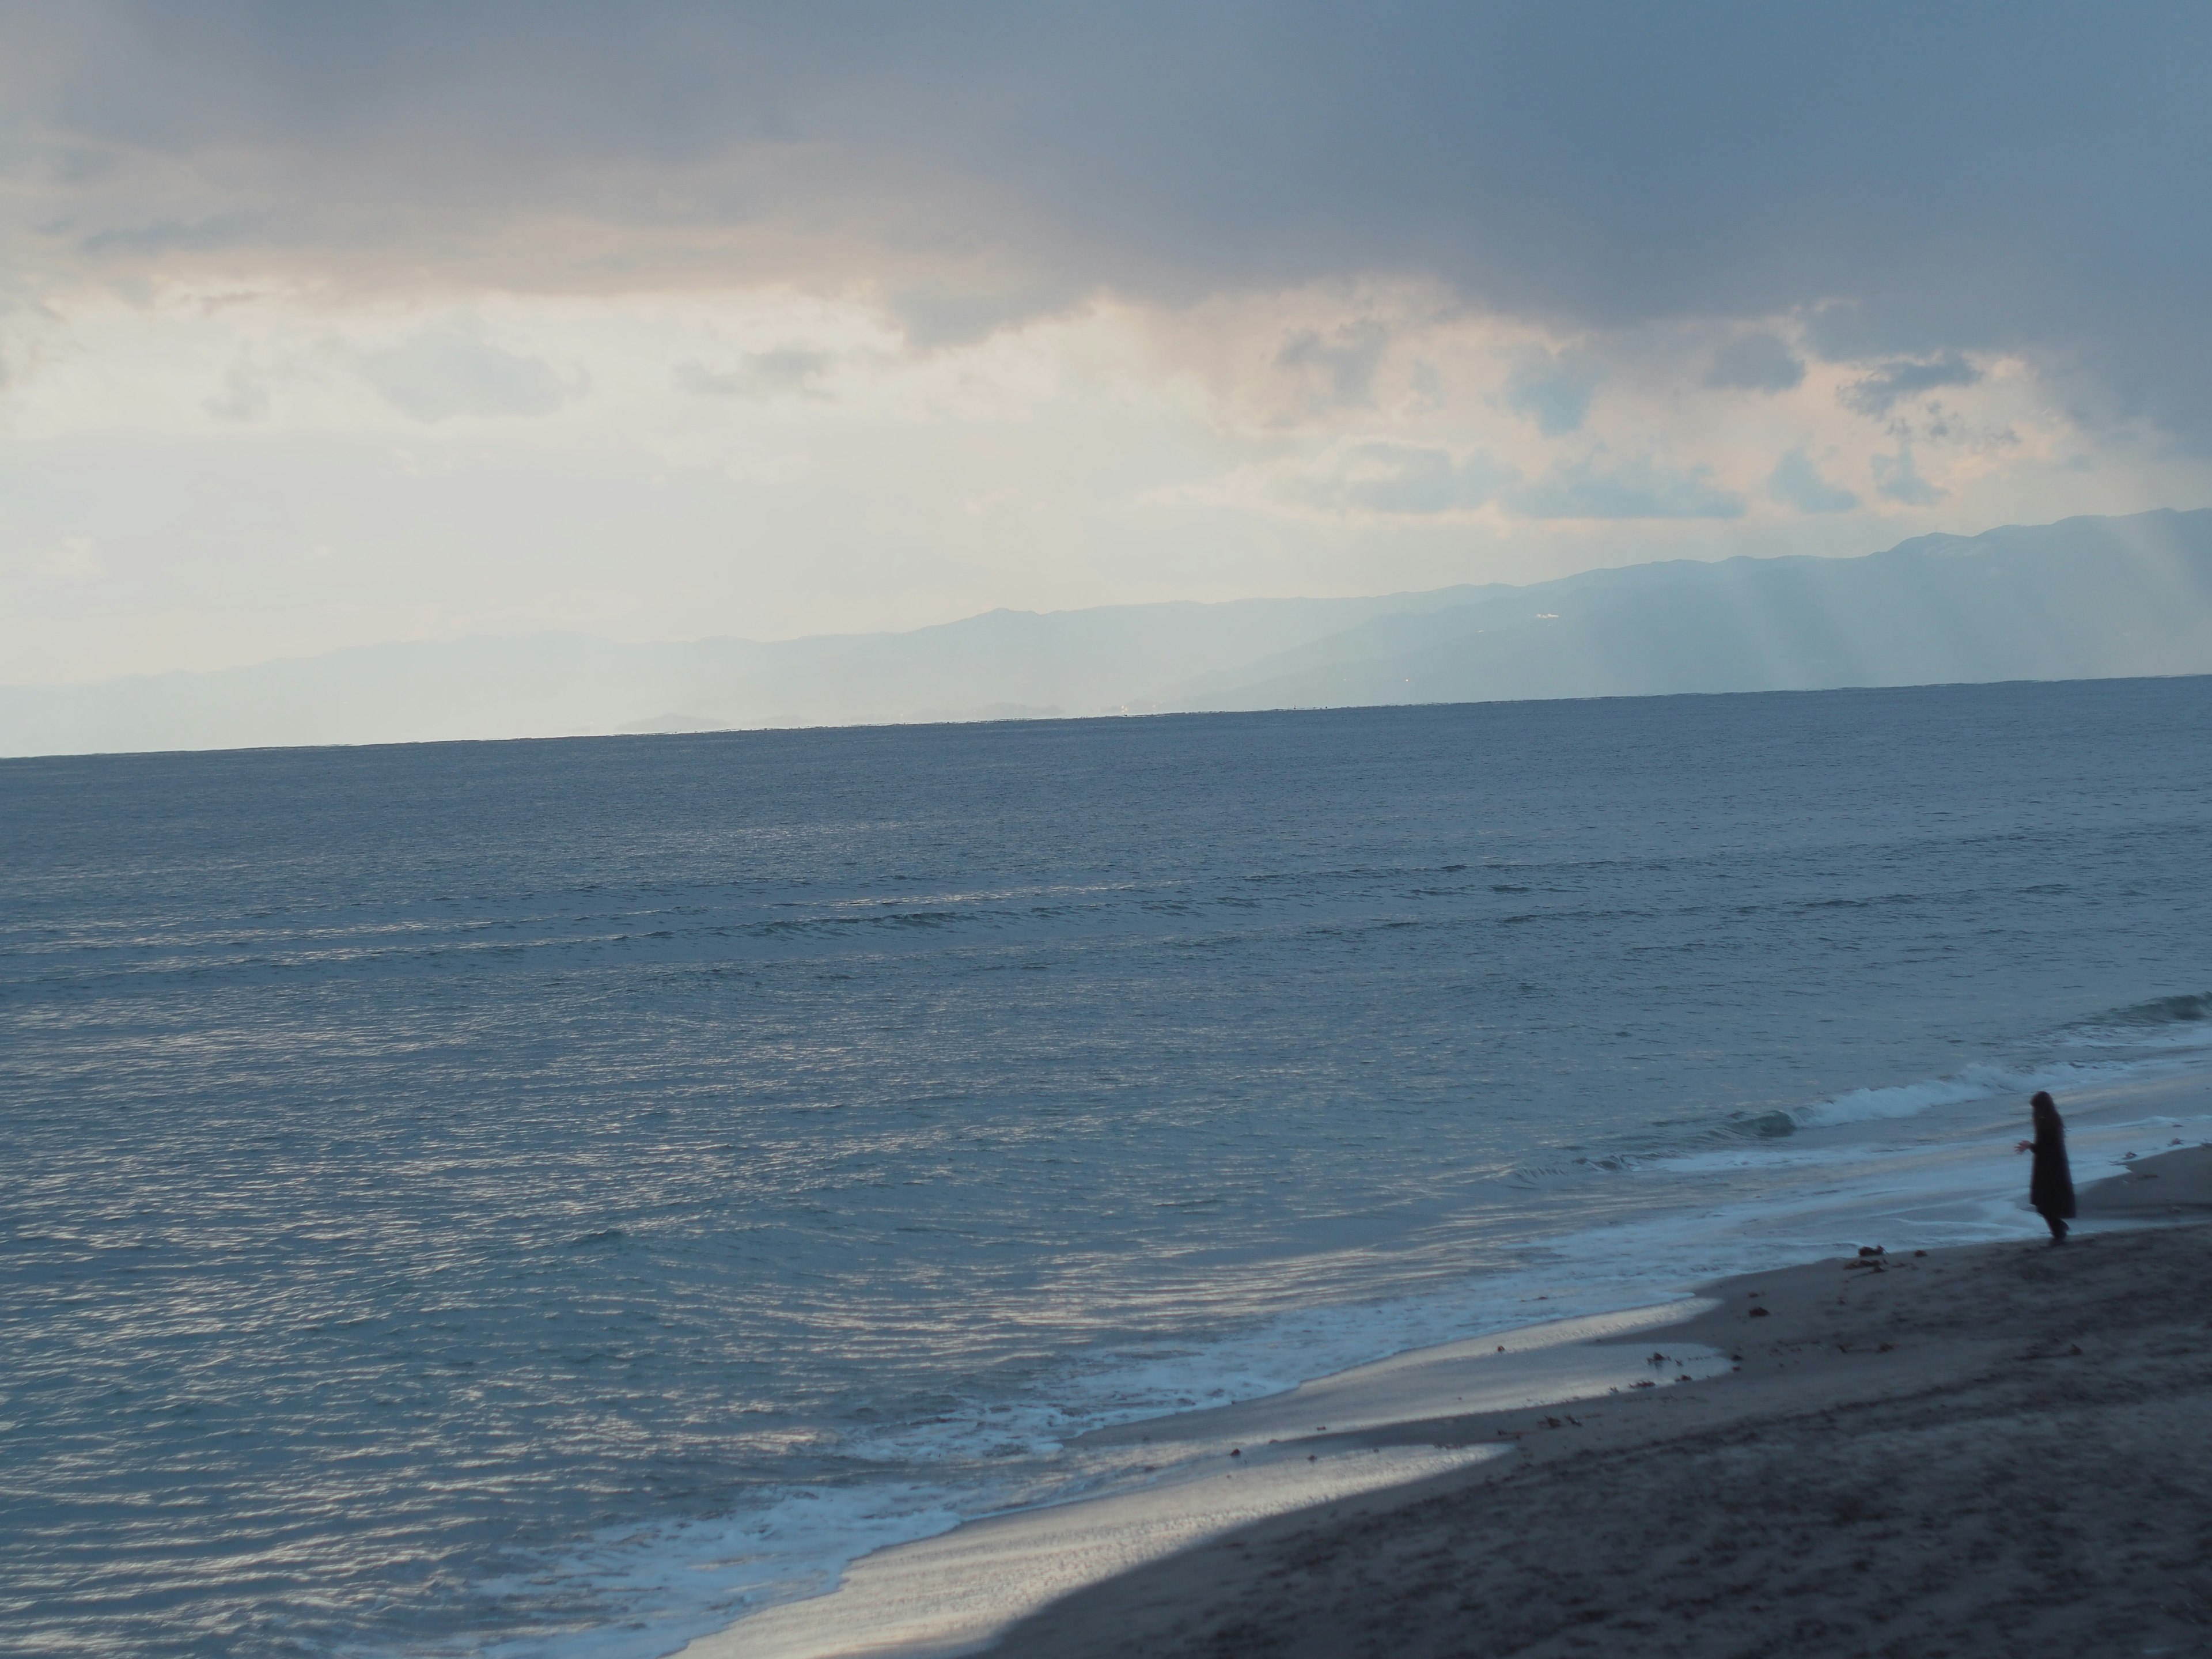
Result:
2050,1187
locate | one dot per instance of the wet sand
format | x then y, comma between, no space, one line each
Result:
1216,1470
2000,1450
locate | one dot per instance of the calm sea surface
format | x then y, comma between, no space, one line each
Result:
546,1197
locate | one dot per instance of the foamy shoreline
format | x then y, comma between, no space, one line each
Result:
1969,1451
1380,1437
1928,1198
1337,1438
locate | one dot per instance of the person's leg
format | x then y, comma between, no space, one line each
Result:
2057,1222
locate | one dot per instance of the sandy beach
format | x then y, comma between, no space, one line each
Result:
2005,1448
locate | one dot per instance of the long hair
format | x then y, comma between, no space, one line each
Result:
2046,1111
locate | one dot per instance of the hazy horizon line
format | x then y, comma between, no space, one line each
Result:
399,642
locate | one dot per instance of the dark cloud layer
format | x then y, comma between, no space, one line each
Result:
1921,181
1757,362
1895,383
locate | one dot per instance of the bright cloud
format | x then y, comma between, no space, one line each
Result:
451,369
324,326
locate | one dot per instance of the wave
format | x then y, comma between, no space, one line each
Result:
907,1481
2162,1033
1978,1082
2162,1023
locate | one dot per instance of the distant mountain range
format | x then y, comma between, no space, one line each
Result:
2084,598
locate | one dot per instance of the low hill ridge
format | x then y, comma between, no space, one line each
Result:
2085,598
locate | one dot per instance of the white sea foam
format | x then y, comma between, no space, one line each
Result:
1991,1080
1911,1099
697,1577
950,1594
1817,1198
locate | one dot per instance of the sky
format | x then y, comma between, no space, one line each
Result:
327,325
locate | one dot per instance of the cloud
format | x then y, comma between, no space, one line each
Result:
1591,166
1642,488
1882,390
1382,476
787,368
1896,478
72,560
1795,481
222,233
1757,362
1554,390
242,399
1344,361
961,306
452,369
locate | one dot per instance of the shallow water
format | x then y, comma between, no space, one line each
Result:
549,1197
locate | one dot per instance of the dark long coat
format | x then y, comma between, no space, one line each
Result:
2050,1188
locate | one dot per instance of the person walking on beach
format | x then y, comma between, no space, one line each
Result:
2050,1186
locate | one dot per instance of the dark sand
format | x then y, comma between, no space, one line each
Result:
2000,1450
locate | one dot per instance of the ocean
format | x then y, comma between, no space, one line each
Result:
552,1198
